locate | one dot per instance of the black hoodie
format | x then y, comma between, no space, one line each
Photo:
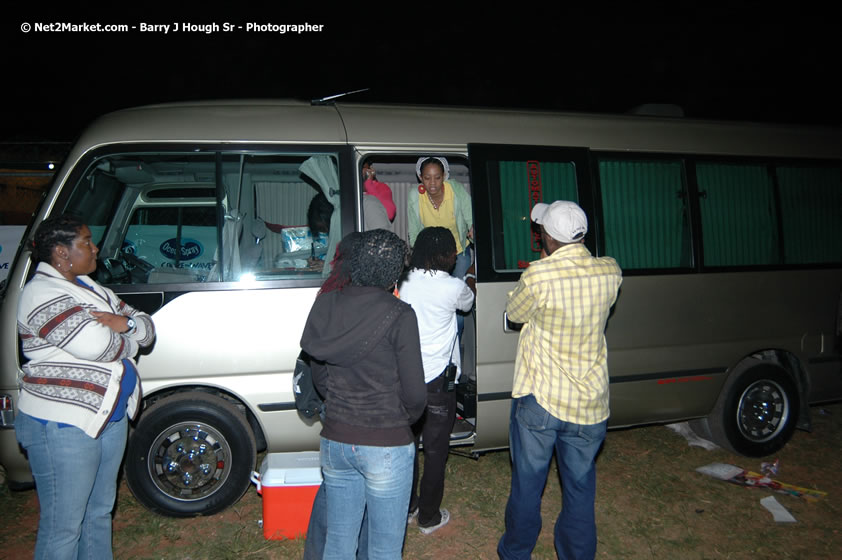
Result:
367,364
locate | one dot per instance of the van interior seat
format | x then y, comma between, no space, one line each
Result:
251,248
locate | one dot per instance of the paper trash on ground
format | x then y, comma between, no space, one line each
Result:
741,477
684,429
779,512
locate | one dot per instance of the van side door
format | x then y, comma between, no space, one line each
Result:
507,182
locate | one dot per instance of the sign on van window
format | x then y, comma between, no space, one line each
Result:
10,238
158,246
521,185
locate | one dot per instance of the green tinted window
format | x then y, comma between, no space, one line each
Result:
737,206
522,184
645,213
811,214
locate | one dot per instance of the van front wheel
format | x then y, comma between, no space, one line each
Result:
191,454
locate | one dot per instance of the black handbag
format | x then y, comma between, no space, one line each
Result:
308,401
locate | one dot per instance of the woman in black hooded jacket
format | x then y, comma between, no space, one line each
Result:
366,362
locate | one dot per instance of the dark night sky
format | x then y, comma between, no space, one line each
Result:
749,65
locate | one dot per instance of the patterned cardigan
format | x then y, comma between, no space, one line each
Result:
74,363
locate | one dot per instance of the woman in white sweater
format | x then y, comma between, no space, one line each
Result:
435,296
78,389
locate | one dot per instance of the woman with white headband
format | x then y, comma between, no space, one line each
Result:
444,202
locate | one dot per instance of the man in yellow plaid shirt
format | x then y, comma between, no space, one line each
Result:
560,392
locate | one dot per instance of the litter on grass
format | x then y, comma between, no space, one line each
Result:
742,477
779,512
770,469
684,429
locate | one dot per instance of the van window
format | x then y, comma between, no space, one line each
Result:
174,217
645,213
769,215
738,211
516,178
522,184
291,215
811,206
95,198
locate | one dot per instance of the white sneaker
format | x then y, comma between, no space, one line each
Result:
412,516
445,518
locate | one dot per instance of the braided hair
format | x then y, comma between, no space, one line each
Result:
378,260
434,249
340,266
52,232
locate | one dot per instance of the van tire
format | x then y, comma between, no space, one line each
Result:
191,454
756,412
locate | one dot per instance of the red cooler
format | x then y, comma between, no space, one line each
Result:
288,483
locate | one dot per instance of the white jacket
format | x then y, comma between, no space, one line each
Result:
75,363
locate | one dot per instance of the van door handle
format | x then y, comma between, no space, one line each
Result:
510,326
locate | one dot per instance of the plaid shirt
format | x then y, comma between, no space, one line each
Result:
564,301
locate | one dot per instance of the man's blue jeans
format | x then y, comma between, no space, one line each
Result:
76,479
533,436
370,479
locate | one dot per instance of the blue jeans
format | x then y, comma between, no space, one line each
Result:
314,545
366,479
533,436
76,479
463,263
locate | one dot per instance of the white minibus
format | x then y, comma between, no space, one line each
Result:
729,236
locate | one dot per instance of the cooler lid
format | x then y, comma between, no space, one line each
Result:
291,469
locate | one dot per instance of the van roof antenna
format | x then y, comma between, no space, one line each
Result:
327,100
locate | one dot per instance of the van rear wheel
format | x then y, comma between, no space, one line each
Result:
756,413
190,454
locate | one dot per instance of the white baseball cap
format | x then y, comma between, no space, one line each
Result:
565,221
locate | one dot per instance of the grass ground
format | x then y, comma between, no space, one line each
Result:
651,504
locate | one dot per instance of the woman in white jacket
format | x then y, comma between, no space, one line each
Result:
436,297
78,389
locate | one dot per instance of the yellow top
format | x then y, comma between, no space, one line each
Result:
444,216
562,360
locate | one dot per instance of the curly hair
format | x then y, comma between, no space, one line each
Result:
378,259
52,232
434,249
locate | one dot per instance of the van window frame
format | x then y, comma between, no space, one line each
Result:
487,205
